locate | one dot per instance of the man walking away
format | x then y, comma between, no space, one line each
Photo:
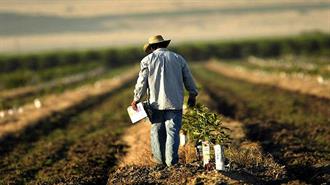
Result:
166,74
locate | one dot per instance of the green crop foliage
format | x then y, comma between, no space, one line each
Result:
201,124
307,44
24,77
290,64
60,88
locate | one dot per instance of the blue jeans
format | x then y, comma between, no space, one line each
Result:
164,135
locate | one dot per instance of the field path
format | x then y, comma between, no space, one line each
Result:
308,85
57,103
137,138
138,156
137,165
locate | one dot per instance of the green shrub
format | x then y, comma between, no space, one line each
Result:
269,48
249,48
202,124
50,60
30,62
111,57
12,64
92,55
71,58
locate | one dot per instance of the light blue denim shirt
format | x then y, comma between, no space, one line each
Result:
166,74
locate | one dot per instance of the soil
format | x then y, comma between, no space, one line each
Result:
300,147
74,147
137,166
137,138
53,104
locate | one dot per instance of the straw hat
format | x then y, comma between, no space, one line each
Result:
155,40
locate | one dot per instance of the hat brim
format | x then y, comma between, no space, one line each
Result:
147,47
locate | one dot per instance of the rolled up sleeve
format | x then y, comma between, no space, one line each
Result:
142,81
188,80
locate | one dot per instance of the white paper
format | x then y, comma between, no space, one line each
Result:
206,152
219,157
136,115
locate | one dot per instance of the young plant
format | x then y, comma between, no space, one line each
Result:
202,124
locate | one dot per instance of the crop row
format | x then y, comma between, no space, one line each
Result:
289,109
293,127
34,62
68,149
305,44
56,86
311,65
26,77
313,43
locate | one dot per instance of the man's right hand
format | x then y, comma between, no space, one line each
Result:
133,104
191,101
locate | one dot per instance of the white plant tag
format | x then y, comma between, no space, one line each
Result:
199,152
206,152
182,139
219,157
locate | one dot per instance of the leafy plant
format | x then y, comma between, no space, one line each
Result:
202,124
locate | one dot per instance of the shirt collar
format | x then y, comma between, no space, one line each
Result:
161,49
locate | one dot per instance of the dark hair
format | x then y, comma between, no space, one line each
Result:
158,45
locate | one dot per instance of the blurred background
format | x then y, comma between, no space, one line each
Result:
48,24
68,69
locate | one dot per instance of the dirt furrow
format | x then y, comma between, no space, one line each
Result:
137,166
281,121
57,103
77,148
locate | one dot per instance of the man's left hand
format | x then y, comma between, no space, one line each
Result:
133,104
191,101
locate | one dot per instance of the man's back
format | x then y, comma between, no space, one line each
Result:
166,73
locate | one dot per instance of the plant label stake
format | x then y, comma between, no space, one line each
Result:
206,153
182,138
219,157
37,103
199,153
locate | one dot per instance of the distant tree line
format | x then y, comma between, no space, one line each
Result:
308,43
305,44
